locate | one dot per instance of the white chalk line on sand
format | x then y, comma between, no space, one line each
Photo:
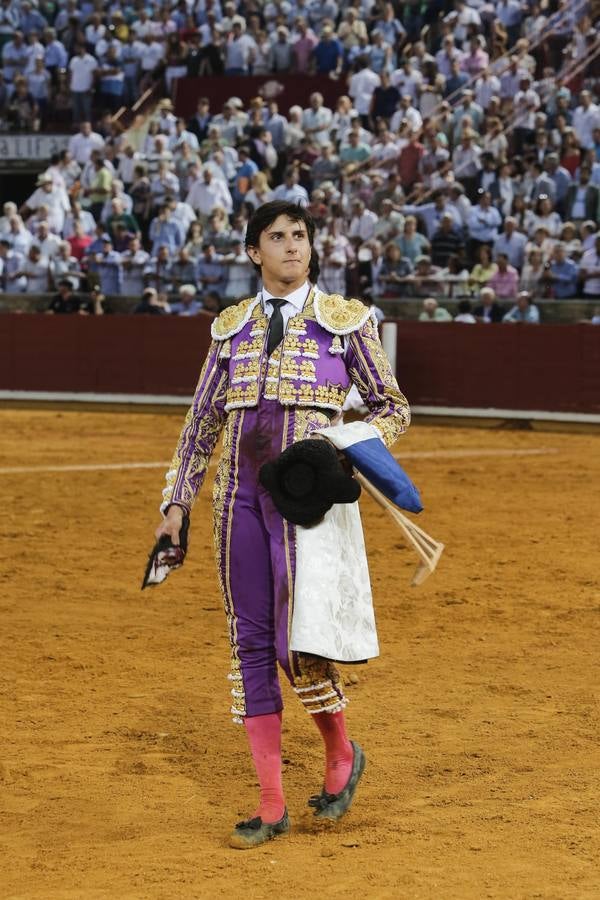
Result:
410,454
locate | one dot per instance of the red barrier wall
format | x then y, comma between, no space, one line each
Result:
286,89
546,367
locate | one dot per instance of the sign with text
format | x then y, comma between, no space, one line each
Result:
32,146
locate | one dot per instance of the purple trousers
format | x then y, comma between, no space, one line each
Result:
255,549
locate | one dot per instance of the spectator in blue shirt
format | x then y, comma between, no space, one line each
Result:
328,54
164,231
109,268
211,272
187,305
562,274
561,178
523,311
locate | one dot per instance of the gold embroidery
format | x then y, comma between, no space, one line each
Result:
232,319
390,411
248,349
289,369
310,349
246,372
308,371
318,685
308,420
228,473
296,325
291,345
240,395
336,345
339,315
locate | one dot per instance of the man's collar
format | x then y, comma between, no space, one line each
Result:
297,298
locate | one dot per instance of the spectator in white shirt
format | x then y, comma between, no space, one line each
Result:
82,68
36,269
48,243
207,194
362,223
55,198
82,144
240,50
585,119
361,87
290,190
317,120
590,270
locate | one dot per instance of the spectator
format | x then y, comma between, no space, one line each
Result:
183,269
240,274
157,273
533,270
78,241
561,274
523,311
187,305
483,270
512,243
394,271
488,311
82,68
412,243
65,301
328,54
447,241
505,281
63,264
433,313
362,223
205,195
134,261
12,265
164,231
211,272
464,313
119,217
290,190
109,268
426,277
152,304
483,223
36,269
582,199
54,198
590,270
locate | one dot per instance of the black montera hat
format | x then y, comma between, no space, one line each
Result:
306,480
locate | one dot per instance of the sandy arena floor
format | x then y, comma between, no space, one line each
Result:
121,773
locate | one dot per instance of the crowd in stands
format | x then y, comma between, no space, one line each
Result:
460,161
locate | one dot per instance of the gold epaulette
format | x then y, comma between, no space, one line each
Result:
232,319
339,315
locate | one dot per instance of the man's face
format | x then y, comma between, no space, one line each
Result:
283,251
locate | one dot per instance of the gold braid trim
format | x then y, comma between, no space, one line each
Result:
232,319
338,315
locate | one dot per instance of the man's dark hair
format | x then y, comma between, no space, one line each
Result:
266,214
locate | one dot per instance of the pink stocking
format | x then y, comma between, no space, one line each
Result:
264,736
339,754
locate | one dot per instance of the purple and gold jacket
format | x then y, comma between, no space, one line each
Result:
332,344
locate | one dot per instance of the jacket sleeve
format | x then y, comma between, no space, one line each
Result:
200,432
370,370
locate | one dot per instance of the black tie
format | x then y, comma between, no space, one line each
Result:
275,325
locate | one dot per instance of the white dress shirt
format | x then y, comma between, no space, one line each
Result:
293,305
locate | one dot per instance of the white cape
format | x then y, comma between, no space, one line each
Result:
333,604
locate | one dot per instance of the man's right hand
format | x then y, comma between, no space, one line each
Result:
171,525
